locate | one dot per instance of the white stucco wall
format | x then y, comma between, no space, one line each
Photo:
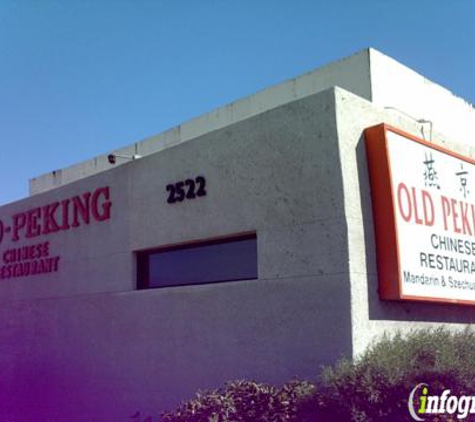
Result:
84,344
395,86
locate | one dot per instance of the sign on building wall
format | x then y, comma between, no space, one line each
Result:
25,247
424,213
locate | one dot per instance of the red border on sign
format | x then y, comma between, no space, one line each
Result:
383,204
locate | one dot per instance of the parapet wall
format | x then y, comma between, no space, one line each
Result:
369,74
352,73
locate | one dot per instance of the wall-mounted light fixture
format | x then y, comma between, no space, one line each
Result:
112,158
420,121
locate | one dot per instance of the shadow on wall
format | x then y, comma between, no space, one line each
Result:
396,310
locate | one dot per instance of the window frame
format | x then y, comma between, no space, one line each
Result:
142,259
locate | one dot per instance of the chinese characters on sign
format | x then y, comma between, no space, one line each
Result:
430,174
431,178
463,177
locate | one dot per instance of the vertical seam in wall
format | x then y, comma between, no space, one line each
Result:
370,74
130,176
347,228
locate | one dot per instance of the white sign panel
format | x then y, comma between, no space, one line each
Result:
435,220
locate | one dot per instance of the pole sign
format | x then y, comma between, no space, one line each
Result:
423,199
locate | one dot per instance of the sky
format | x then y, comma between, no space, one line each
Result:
82,78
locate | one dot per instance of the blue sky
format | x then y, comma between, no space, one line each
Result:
81,78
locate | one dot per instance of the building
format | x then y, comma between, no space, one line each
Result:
240,245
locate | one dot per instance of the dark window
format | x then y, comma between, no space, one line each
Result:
199,263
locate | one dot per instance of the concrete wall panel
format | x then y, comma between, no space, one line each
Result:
106,356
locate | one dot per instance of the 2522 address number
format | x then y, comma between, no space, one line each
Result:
186,189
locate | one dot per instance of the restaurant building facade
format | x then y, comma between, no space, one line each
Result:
259,241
